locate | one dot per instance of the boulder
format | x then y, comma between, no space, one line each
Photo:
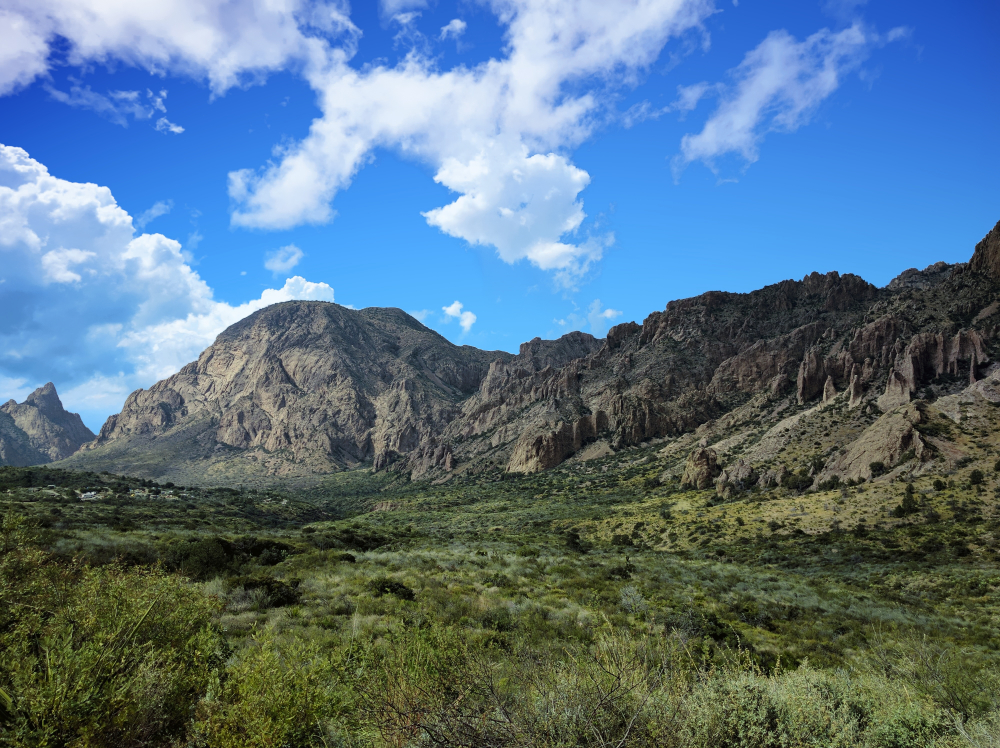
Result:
701,468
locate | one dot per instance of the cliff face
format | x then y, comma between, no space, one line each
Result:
310,387
40,430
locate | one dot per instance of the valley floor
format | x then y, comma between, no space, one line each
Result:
597,604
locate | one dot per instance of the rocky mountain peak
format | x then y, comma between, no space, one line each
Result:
40,430
46,399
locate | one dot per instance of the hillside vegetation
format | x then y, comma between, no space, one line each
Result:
601,603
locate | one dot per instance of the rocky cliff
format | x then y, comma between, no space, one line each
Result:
304,388
39,430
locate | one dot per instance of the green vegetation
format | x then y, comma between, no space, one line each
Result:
597,604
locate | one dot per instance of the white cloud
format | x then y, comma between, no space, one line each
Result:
284,259
496,134
117,106
777,87
165,125
92,305
454,29
465,319
229,42
689,96
420,315
600,319
395,8
159,208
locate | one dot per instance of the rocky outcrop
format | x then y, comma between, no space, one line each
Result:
812,375
829,391
983,392
889,440
701,468
930,276
855,389
897,391
765,364
52,432
986,257
739,476
537,354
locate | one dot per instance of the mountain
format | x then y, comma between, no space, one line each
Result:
39,430
305,388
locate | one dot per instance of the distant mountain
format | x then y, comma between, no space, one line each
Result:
304,388
39,430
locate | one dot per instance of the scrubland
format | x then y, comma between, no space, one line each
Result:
597,604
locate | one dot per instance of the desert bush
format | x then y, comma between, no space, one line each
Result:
277,693
102,656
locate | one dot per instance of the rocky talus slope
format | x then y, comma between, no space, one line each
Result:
39,430
304,388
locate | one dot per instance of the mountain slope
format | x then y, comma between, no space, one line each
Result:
39,430
304,388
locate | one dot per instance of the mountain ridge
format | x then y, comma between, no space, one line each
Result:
304,388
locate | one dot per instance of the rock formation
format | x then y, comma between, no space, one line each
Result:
829,391
304,388
701,468
739,476
891,438
986,257
49,431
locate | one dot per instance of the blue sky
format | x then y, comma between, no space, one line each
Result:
548,165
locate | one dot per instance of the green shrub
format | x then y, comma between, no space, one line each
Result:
100,656
386,586
278,693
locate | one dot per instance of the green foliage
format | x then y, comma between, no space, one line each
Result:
877,468
277,693
100,657
799,481
500,610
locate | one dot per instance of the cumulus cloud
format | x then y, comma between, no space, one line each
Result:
496,134
454,311
776,88
159,208
283,259
228,42
600,319
454,29
93,305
